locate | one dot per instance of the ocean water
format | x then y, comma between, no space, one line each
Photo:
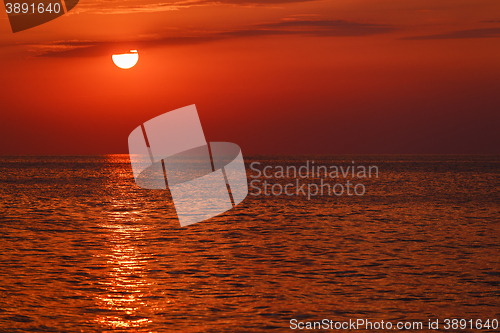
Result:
83,249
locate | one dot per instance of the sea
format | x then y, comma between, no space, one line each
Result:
84,249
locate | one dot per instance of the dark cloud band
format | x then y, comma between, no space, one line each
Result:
472,33
322,28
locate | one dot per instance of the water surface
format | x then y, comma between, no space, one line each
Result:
82,249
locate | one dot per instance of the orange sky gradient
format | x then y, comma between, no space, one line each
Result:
275,77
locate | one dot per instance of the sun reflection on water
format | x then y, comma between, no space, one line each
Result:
127,286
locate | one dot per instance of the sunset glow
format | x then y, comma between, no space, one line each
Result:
289,76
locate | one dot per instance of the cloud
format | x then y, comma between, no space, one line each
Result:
472,33
320,28
122,7
151,8
64,49
254,2
331,28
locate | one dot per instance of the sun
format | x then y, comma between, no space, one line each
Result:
126,60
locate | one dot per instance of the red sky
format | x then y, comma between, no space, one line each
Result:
280,77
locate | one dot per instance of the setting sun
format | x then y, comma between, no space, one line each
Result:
126,60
